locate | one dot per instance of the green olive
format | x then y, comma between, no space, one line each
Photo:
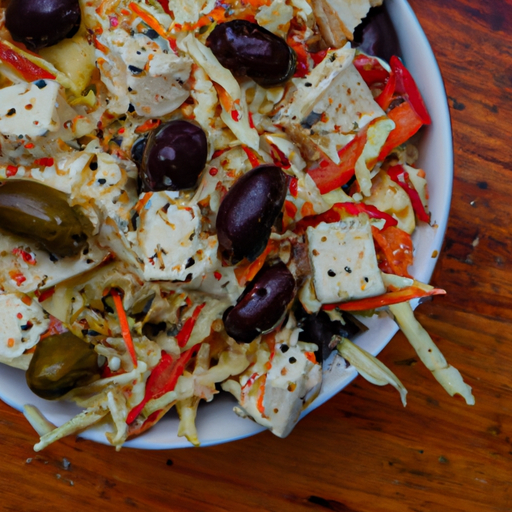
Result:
61,363
43,214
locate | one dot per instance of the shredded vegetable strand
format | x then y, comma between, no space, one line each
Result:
123,323
448,376
370,367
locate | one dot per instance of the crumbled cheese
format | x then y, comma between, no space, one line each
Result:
21,324
344,263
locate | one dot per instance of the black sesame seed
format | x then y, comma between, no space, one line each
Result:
292,360
348,270
102,181
40,84
284,348
134,70
331,273
11,112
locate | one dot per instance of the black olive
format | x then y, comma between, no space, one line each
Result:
249,210
41,213
247,49
41,23
262,305
61,363
376,35
320,329
137,150
174,157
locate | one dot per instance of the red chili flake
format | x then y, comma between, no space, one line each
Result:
114,22
213,171
12,170
17,276
25,256
121,130
235,115
46,294
251,122
294,183
218,153
19,316
44,162
217,275
30,145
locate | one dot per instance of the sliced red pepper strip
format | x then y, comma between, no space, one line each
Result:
184,335
385,98
335,214
123,323
406,87
401,177
328,175
386,299
407,123
26,68
163,378
371,69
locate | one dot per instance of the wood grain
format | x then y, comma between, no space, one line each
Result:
361,451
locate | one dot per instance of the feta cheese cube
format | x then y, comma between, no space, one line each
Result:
342,255
169,241
34,109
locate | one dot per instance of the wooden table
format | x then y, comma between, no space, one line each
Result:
361,451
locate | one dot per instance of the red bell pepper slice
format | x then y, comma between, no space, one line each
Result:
386,299
385,98
330,176
400,176
407,88
25,67
371,69
407,123
163,379
184,335
335,214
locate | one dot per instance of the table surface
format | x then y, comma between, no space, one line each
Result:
361,451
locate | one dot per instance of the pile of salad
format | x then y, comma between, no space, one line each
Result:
203,196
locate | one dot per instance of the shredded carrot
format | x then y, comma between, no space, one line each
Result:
224,98
310,356
245,272
123,323
261,396
148,19
150,124
143,202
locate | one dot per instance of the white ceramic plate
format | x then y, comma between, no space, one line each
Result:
216,422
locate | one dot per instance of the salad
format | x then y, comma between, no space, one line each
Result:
203,197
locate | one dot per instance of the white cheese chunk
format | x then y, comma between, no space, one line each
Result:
169,241
344,263
21,325
35,110
292,380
